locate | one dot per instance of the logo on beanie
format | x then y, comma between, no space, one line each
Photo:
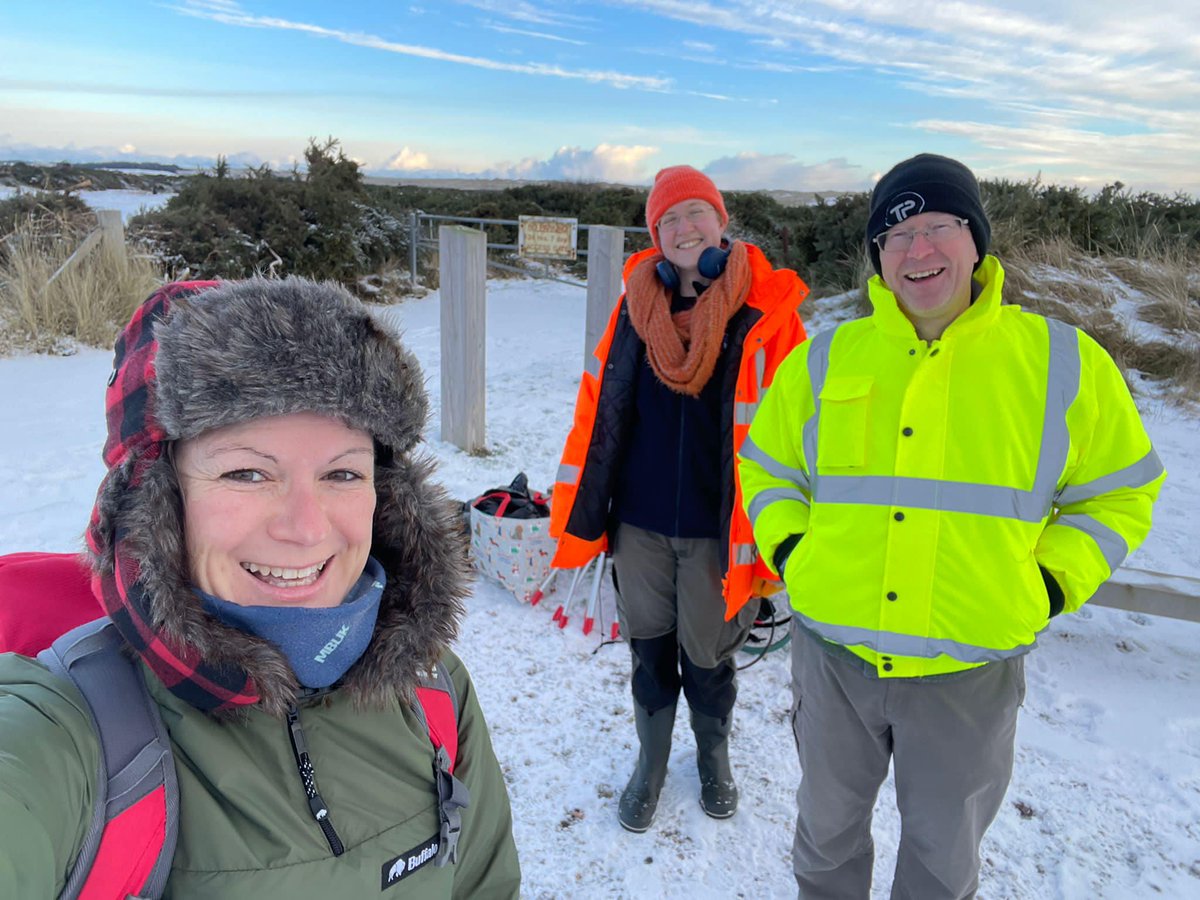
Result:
903,205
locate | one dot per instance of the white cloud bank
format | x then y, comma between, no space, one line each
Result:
605,162
784,172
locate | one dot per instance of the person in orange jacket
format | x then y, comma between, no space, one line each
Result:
647,472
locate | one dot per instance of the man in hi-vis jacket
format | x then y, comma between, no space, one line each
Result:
933,483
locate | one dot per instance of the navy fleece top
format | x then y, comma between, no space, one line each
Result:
670,479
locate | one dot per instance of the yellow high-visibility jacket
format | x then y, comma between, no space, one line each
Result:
931,480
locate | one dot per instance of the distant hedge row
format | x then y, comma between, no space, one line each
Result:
327,223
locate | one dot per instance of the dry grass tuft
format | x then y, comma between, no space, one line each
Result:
1055,279
88,303
1171,286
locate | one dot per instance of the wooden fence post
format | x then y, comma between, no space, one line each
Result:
606,258
112,231
414,241
462,269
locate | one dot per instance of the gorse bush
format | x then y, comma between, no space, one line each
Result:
57,211
1113,221
318,224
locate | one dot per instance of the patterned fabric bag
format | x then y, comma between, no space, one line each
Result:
510,536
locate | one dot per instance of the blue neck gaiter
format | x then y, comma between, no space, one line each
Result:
321,644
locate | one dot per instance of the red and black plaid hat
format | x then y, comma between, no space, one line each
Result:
197,356
135,443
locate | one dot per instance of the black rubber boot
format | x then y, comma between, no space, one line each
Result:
639,801
718,792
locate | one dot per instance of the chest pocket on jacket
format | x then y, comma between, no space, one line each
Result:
845,417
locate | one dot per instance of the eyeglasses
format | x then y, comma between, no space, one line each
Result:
694,215
899,241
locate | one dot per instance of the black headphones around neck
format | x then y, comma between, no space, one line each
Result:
711,264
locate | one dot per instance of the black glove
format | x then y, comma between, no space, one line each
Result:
1053,592
784,550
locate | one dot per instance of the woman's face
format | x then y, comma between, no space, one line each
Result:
278,511
685,231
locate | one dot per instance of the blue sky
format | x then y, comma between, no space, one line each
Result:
820,95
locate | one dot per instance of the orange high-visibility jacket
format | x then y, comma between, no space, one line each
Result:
760,334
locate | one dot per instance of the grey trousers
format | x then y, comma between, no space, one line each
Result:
674,584
951,742
673,614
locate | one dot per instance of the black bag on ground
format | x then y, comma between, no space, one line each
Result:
515,501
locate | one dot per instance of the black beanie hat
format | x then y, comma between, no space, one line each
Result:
927,183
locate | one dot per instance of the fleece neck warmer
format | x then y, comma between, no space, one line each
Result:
320,644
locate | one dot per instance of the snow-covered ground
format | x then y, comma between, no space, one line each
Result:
1105,799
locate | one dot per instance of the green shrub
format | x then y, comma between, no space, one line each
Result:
319,224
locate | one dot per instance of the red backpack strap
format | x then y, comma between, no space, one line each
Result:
129,844
437,710
42,596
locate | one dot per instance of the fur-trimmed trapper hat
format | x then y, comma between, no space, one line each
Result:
201,355
248,349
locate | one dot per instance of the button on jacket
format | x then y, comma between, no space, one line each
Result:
933,483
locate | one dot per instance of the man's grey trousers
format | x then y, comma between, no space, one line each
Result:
951,739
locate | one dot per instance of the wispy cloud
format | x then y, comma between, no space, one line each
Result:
227,12
1098,66
1169,158
151,91
532,13
506,29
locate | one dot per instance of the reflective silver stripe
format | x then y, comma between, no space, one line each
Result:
763,499
567,474
593,365
895,644
1140,473
818,368
745,554
1062,386
755,453
743,412
1112,545
930,493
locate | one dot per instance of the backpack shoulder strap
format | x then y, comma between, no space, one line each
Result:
437,710
135,820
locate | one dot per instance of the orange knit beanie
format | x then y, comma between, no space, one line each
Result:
675,184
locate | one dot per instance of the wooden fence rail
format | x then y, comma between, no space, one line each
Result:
1152,593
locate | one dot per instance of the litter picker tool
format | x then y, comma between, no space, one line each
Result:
560,616
537,595
589,615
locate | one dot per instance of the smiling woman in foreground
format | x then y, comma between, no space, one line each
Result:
270,548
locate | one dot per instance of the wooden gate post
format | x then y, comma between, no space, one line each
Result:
112,231
462,271
606,258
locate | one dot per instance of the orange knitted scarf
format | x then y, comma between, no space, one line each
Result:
683,347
